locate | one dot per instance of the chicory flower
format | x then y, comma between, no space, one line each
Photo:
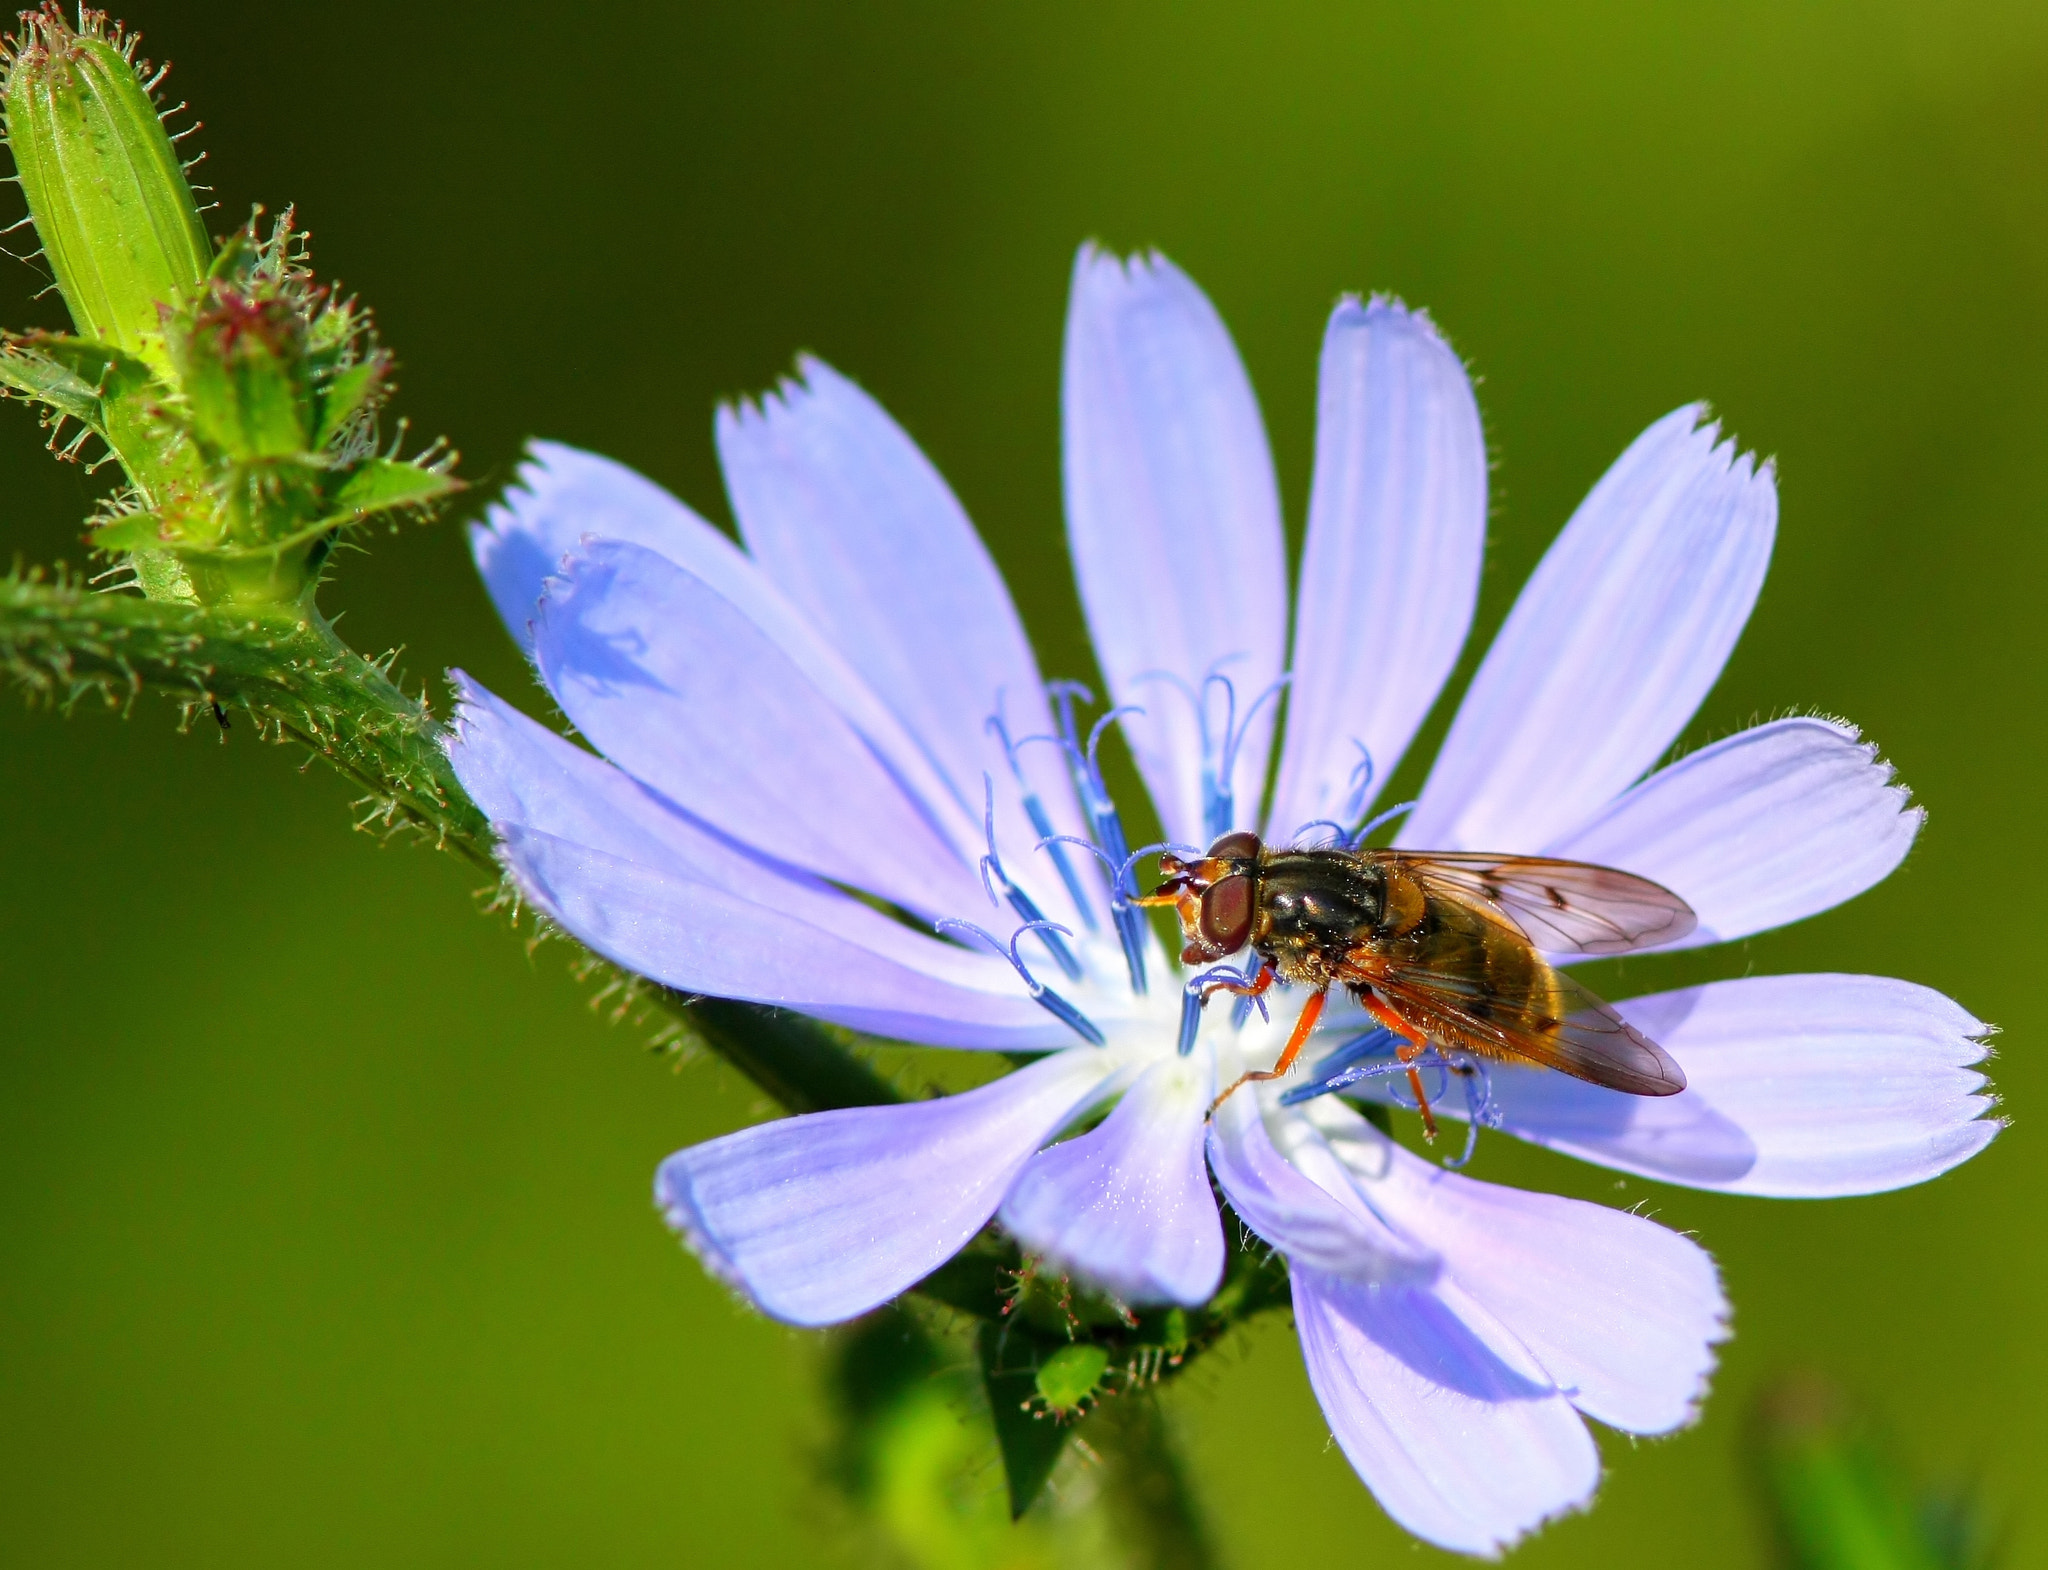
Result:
849,703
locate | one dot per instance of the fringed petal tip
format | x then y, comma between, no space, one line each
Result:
819,1218
1397,521
1611,645
678,1208
1844,1084
559,496
1766,827
1173,519
1127,1206
1464,1441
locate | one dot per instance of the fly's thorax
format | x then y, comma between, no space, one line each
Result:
1320,898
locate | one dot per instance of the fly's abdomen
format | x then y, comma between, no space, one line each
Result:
1505,981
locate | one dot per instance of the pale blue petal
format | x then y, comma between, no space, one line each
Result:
1678,1139
564,496
518,771
1846,1084
1621,1313
822,1217
1127,1206
524,776
1173,516
1614,642
1455,1429
1390,572
856,527
699,935
560,496
1797,1087
1770,826
1325,1226
675,684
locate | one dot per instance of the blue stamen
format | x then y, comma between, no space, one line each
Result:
1365,829
1219,802
1347,1065
1041,820
1366,1057
1041,994
1359,787
1068,1015
1223,815
1434,1061
1339,834
1103,821
1219,757
1190,1018
1193,999
1479,1106
1023,904
1246,1000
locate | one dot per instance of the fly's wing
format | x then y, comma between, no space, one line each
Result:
1562,907
1554,1023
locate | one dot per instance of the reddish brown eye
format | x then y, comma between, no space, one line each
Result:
1236,846
1227,913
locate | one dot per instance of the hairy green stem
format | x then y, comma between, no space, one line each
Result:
284,670
788,1056
1146,1488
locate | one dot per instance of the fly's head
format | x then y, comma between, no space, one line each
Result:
1215,897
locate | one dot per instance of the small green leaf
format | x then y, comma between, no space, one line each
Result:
347,395
37,377
103,181
1030,1441
72,375
383,483
1173,1331
140,531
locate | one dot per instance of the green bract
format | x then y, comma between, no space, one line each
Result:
240,398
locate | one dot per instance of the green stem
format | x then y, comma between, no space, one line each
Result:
1145,1487
294,680
789,1057
283,670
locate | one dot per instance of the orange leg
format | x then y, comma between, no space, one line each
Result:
1311,1011
1256,987
1414,1044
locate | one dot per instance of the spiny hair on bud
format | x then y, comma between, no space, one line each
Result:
46,35
45,39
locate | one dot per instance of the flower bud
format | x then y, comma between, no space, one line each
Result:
242,367
104,184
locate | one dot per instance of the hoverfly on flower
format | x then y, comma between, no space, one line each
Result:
1443,949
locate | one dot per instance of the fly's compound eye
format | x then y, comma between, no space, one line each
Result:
1238,846
1227,913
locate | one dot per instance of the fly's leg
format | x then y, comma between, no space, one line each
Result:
1256,987
1413,1044
1311,1011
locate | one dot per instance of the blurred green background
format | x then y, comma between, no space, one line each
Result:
323,1206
